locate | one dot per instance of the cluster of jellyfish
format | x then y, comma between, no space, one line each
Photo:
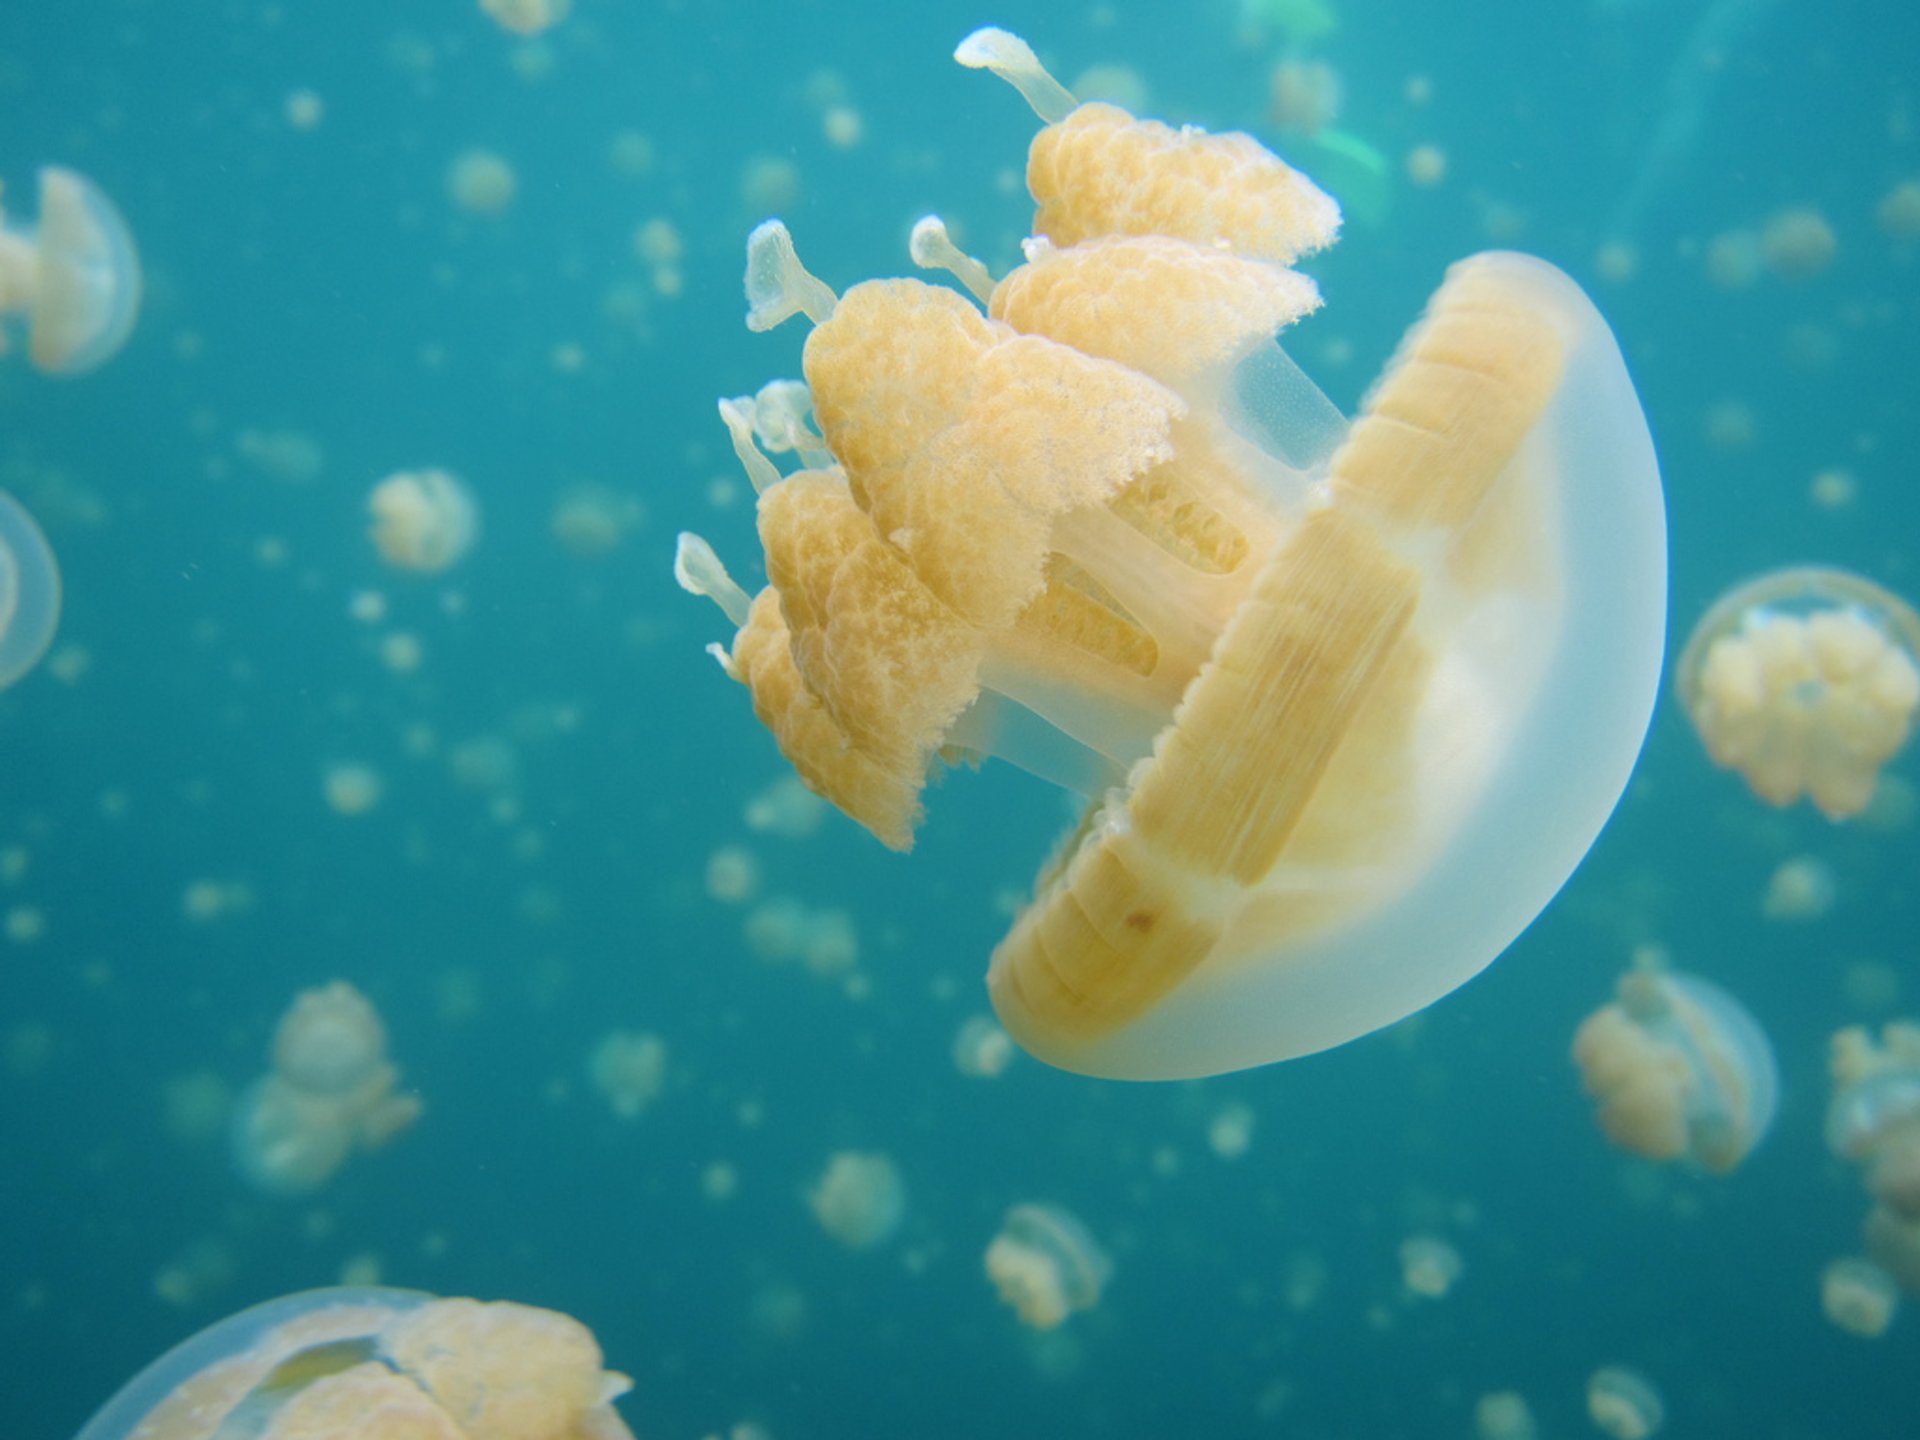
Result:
1873,1122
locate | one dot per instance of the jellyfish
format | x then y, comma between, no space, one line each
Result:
330,1092
1504,1415
73,277
1858,1296
1046,1265
423,520
1623,1403
1873,1121
1348,703
1679,1070
526,17
29,592
377,1364
1806,682
629,1069
482,182
981,1048
860,1200
1429,1266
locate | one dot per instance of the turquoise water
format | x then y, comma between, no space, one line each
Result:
321,282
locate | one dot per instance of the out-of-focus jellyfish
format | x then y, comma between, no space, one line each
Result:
1679,1070
1858,1296
981,1048
1624,1403
824,940
1733,259
733,875
785,807
591,520
1873,1120
1504,1415
1806,682
1429,1266
481,182
351,788
29,592
860,1200
1230,1131
1303,95
1046,1265
526,17
376,1364
1899,211
629,1069
330,1092
72,277
423,520
1800,889
1349,702
1797,244
1426,165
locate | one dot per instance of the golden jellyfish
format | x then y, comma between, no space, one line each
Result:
1859,1297
29,592
860,1200
1429,1266
376,1364
1805,681
1349,702
526,17
1679,1070
1047,1265
482,182
423,520
629,1069
73,276
330,1092
1504,1415
1623,1403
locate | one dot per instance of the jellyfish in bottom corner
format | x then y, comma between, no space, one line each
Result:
1805,681
73,276
1348,701
375,1364
1679,1070
1046,1264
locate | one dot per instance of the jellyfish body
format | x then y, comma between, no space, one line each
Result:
1046,1265
423,520
1858,1296
330,1093
1679,1070
1873,1121
74,276
1320,682
1623,1403
29,592
1806,682
378,1364
860,1200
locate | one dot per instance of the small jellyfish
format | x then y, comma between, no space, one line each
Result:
860,1200
1801,889
377,1364
1899,211
629,1069
73,277
330,1092
526,17
1504,1415
351,788
1679,1070
1348,701
591,520
1230,1131
1805,681
423,520
1623,1403
1797,243
1429,1266
1046,1265
981,1048
1858,1296
481,182
29,592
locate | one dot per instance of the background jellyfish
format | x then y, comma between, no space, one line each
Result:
1873,1121
860,1200
330,1092
1678,1069
1623,1403
1193,606
423,520
1046,1265
377,1364
29,592
1806,682
1858,1296
73,277
629,1069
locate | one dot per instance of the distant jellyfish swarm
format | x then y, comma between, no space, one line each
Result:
1348,701
1679,1070
72,277
330,1092
375,1364
1806,682
423,520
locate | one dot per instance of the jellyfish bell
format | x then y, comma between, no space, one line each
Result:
1320,683
378,1364
29,592
73,276
331,1042
1046,1265
1806,682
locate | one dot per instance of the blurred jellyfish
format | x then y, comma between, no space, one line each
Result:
1858,1296
303,109
1873,1120
1733,259
629,1069
1624,1403
781,928
860,1200
1797,244
423,520
377,1365
591,520
981,1048
733,875
330,1092
197,1105
526,17
351,788
1302,95
1230,1131
769,184
481,182
29,592
1426,165
785,807
1429,1266
1899,211
1800,889
1504,1415
1679,1070
1046,1265
1805,681
292,457
72,278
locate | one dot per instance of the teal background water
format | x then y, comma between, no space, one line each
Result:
322,282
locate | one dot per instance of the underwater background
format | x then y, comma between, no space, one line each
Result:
563,760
